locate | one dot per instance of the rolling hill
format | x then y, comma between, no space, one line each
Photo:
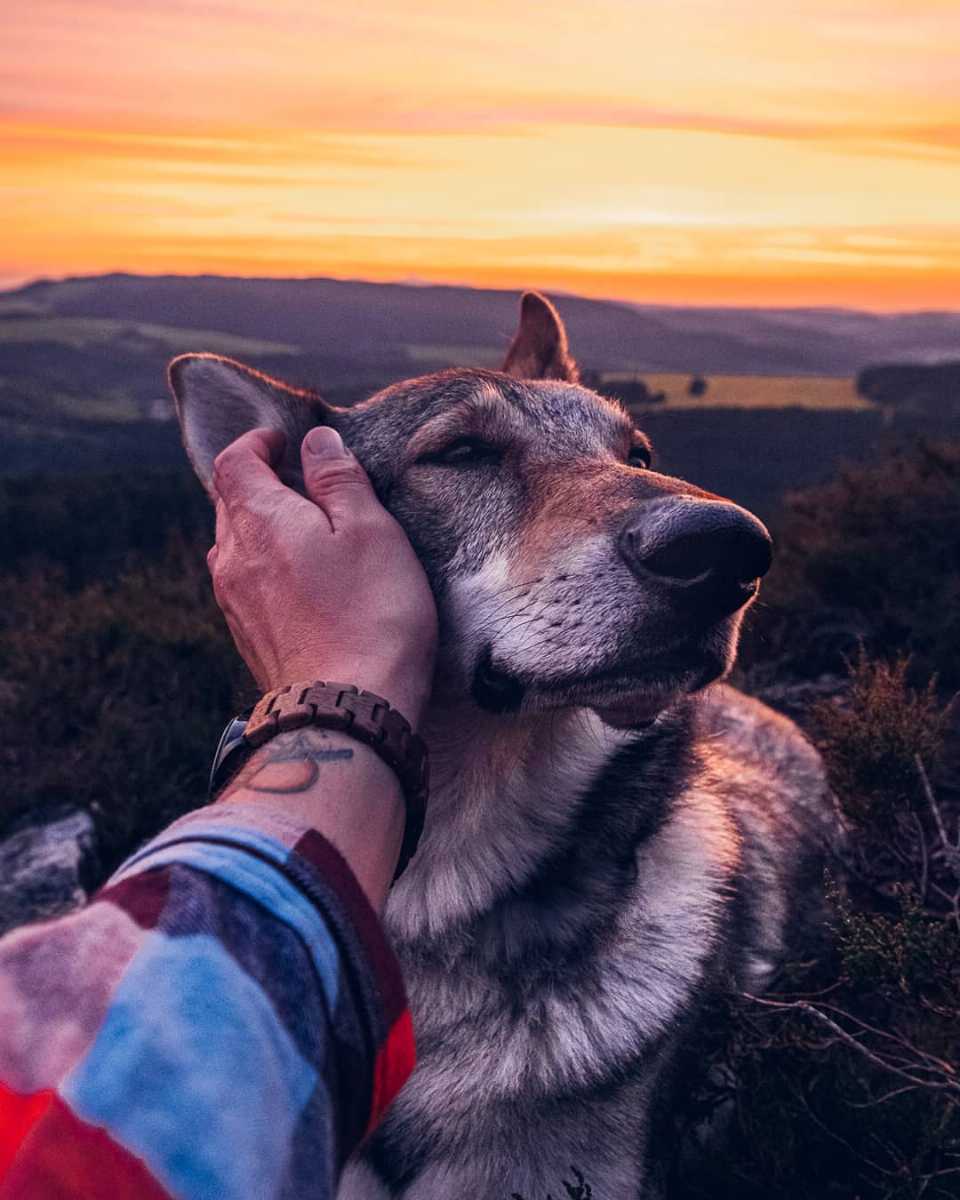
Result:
82,365
386,323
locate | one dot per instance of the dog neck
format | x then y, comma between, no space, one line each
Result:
504,791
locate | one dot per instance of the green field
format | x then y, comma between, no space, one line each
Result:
751,391
83,333
723,391
95,334
430,356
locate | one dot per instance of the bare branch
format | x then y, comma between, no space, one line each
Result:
943,1080
951,850
924,857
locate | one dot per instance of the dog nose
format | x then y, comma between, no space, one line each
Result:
714,552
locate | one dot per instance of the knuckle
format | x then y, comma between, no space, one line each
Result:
223,598
218,593
333,475
220,572
226,463
221,470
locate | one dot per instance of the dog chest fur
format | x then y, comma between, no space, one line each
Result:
548,995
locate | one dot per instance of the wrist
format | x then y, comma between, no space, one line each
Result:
330,705
330,782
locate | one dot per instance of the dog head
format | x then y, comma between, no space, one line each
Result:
566,571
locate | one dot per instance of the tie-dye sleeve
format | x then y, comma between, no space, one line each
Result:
225,1020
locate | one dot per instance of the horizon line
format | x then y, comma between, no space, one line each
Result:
14,283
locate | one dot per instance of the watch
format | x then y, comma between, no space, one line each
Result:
232,752
342,707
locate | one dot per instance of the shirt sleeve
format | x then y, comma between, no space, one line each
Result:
223,1021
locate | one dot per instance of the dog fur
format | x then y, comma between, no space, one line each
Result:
612,832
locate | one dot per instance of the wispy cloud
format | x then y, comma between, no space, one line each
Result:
724,145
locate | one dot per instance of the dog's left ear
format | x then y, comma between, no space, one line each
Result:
539,350
218,399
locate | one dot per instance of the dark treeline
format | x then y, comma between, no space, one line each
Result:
751,455
932,388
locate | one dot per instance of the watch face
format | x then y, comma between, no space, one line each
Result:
231,752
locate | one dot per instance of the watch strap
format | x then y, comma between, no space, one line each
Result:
361,715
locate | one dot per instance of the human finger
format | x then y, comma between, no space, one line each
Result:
248,466
335,481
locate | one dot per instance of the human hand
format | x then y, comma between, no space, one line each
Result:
321,588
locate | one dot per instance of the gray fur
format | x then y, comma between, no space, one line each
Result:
585,881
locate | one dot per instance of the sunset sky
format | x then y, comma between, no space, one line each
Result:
688,151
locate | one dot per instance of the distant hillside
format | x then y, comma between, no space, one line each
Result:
82,365
387,323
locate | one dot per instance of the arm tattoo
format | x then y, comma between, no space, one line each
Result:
287,764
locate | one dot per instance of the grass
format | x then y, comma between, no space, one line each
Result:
81,333
428,355
113,405
751,391
723,391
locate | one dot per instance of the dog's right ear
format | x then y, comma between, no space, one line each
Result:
218,399
539,350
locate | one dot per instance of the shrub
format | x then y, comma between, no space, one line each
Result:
872,739
697,386
843,1081
872,557
116,669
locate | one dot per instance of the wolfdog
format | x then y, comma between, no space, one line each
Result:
612,833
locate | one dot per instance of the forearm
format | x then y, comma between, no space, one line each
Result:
228,987
336,785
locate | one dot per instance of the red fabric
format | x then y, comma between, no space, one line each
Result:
393,1066
143,897
18,1115
48,1153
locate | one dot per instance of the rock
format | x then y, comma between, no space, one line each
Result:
42,869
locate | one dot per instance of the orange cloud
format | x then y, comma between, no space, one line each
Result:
680,149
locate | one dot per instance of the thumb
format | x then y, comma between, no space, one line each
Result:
333,478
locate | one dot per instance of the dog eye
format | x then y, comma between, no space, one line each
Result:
641,454
464,452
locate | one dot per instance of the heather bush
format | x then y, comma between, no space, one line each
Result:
116,669
872,557
872,739
117,674
844,1079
